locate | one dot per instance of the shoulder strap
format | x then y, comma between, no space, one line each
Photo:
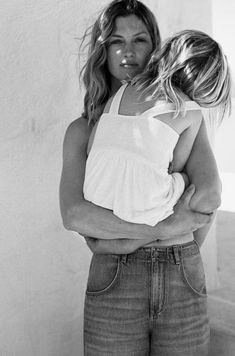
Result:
114,107
165,108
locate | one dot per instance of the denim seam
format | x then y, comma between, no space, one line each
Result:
109,287
151,289
164,294
204,295
166,279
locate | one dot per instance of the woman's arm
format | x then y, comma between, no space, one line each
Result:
90,220
202,171
120,246
200,234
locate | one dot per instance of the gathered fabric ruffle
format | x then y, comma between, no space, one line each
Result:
133,188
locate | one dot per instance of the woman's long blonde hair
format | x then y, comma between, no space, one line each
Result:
95,74
189,64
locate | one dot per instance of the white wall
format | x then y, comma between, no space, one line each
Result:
43,268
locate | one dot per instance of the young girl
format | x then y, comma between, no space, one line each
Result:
147,121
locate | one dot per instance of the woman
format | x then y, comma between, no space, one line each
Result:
132,27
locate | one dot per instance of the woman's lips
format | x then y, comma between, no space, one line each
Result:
129,65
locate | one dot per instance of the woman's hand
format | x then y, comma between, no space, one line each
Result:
184,220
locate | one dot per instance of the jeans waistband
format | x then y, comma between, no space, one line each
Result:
173,252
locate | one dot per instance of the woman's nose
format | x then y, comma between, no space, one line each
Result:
129,50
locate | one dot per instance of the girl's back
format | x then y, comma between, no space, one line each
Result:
127,167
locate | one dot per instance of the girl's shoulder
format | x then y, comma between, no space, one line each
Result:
80,124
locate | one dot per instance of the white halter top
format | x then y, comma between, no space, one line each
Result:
127,167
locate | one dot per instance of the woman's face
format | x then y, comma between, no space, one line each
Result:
129,48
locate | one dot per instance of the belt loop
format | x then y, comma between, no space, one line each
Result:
153,258
196,243
123,258
167,253
176,255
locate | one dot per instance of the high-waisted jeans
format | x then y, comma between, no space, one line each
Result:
150,302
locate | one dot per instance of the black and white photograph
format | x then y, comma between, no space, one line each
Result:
117,182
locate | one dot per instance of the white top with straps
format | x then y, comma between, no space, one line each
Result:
127,167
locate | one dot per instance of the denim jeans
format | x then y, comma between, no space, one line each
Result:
150,302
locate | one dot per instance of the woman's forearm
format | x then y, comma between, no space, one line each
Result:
181,219
91,220
126,246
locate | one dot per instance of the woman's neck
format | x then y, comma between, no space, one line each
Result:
115,85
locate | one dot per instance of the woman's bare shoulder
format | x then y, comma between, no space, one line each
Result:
78,132
79,126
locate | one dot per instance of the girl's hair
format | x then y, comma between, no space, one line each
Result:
95,74
190,63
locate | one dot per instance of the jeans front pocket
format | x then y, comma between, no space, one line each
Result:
193,272
103,273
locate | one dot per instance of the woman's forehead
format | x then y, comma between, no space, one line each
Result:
129,24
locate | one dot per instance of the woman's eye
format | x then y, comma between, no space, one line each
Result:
140,40
115,42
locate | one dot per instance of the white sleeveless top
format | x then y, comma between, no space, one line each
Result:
127,167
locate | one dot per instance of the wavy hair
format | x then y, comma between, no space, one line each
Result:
189,64
95,74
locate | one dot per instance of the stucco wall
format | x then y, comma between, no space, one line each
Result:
43,268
